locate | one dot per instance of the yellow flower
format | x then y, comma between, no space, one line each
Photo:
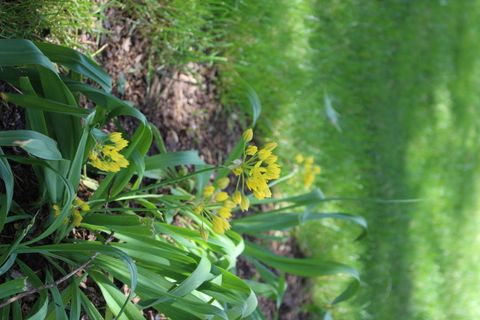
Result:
271,159
198,209
237,171
264,154
248,135
224,212
223,183
219,225
107,157
56,210
308,179
116,138
208,191
221,196
251,150
204,234
229,204
82,204
299,158
270,146
237,197
273,171
309,160
244,203
317,169
76,217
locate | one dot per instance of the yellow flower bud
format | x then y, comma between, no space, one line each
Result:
251,150
221,196
76,217
229,204
223,183
299,158
237,197
204,234
248,135
245,203
208,191
198,209
56,210
270,146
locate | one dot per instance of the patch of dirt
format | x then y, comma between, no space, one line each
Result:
182,103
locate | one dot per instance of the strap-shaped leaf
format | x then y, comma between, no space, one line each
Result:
35,143
16,52
6,200
77,62
42,104
263,222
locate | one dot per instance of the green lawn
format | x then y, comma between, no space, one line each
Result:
404,77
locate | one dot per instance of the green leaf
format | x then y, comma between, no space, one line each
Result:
77,62
15,52
115,299
308,267
6,200
12,287
42,104
40,308
170,159
33,142
263,222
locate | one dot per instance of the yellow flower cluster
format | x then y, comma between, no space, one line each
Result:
77,208
216,205
309,170
255,170
107,156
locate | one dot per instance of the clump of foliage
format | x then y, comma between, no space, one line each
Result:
59,21
165,244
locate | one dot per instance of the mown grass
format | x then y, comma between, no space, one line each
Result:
403,77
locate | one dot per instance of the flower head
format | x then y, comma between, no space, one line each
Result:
255,171
106,156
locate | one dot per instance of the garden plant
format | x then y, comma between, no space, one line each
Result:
119,231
